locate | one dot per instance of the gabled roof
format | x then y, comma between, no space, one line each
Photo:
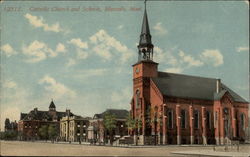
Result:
119,114
23,115
52,105
218,96
42,115
235,96
97,116
186,86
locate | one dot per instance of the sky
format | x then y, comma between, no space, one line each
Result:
80,53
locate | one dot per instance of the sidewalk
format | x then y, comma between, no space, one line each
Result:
208,153
42,148
61,142
130,146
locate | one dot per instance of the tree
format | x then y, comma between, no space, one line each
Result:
134,125
43,132
52,132
8,135
2,136
154,118
138,123
7,124
130,122
109,122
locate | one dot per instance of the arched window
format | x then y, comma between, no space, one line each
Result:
137,99
208,119
196,119
183,119
170,118
215,119
242,120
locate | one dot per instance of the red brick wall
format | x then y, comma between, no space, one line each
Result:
146,69
30,129
241,108
151,96
141,81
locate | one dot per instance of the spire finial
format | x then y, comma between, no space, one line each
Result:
145,4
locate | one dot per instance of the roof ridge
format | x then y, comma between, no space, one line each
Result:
188,75
233,92
188,86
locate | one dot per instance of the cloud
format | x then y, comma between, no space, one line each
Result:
60,48
189,59
167,58
38,51
107,46
82,54
12,92
103,45
79,43
9,84
120,27
240,49
13,113
55,89
178,62
212,56
174,70
121,97
14,98
103,51
70,62
160,30
164,56
38,22
8,50
83,74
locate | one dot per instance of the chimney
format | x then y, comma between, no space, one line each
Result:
218,85
68,112
35,110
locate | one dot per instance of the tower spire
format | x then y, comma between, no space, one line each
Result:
145,45
52,106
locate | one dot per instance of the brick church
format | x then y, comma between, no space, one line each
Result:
182,109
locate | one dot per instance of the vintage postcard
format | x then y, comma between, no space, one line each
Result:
124,78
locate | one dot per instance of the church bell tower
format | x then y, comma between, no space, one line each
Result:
145,46
143,70
145,66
